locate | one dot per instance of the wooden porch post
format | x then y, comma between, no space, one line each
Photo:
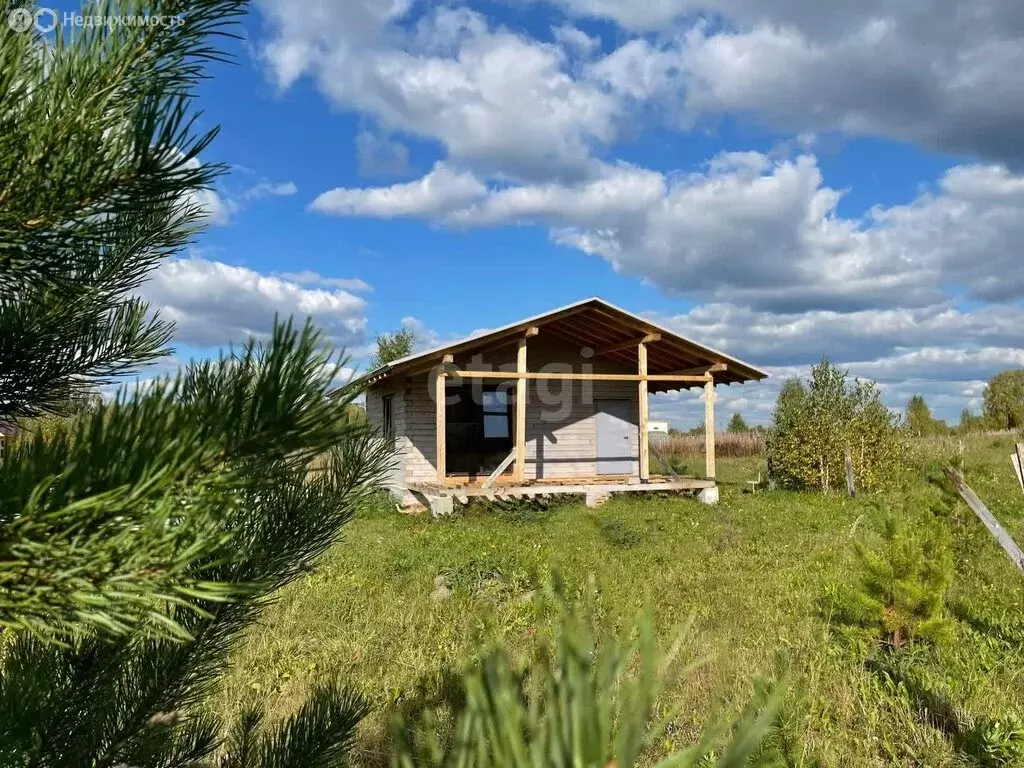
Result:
440,401
709,428
520,466
645,460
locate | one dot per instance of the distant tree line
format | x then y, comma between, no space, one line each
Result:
1002,409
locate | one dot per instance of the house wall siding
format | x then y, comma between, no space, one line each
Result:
561,428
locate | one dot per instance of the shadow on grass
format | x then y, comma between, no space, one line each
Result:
430,706
988,742
618,533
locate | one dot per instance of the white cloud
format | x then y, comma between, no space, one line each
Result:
749,229
492,98
264,189
943,353
215,304
575,39
938,73
781,339
309,277
215,209
440,190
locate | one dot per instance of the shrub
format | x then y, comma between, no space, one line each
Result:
814,424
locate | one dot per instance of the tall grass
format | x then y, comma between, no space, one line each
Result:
727,445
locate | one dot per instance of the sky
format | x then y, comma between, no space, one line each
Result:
779,179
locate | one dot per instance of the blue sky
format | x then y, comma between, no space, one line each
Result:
781,179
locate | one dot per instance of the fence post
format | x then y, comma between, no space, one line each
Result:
849,473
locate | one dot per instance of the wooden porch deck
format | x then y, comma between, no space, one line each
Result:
595,490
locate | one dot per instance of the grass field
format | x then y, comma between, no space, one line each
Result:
752,572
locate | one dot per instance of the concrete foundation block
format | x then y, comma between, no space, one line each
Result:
708,495
441,506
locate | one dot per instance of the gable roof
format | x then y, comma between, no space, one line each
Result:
593,323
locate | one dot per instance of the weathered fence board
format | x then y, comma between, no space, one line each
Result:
849,475
978,507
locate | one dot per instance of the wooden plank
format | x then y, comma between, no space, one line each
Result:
532,375
1018,463
978,507
645,454
520,434
849,474
703,370
709,429
440,401
499,469
628,344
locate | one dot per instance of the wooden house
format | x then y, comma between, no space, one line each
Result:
556,403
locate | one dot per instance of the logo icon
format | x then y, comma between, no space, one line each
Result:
20,19
46,20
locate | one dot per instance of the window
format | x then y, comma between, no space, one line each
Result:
388,418
495,408
479,427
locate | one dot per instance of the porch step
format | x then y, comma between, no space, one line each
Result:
596,498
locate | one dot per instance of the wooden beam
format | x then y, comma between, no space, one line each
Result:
645,455
440,445
491,478
709,429
647,339
978,507
530,375
1017,457
520,470
530,332
702,370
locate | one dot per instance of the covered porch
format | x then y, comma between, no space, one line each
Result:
553,405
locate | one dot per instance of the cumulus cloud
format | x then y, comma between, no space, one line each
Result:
939,73
215,304
441,190
748,228
794,339
264,189
575,39
491,97
943,353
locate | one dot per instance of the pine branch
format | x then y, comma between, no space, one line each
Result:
317,736
144,502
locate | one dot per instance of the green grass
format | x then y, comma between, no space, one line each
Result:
752,572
